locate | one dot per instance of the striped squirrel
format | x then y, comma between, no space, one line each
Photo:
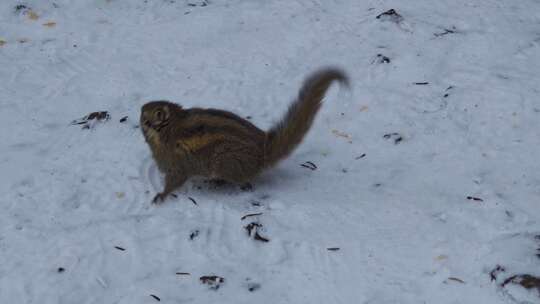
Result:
218,144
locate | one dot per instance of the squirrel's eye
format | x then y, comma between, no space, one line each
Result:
159,115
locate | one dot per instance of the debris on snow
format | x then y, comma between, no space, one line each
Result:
253,231
214,282
382,59
395,136
250,215
446,32
309,165
90,120
527,281
495,272
390,15
193,234
473,198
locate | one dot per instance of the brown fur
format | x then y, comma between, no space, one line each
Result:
221,145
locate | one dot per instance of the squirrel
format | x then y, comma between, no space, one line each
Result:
221,145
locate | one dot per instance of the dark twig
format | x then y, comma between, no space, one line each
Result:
456,279
361,156
392,15
446,32
309,165
249,215
472,198
258,237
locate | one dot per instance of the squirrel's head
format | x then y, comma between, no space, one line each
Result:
155,115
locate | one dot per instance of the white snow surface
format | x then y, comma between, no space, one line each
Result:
400,215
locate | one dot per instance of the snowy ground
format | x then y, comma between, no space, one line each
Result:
72,199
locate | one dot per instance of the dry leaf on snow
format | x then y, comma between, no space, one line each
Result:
341,134
32,15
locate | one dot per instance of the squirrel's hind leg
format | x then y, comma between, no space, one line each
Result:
237,167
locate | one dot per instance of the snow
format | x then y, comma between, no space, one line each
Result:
400,215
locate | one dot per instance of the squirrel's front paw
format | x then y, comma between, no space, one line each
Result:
159,198
246,187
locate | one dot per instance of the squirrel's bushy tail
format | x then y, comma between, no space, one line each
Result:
285,136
